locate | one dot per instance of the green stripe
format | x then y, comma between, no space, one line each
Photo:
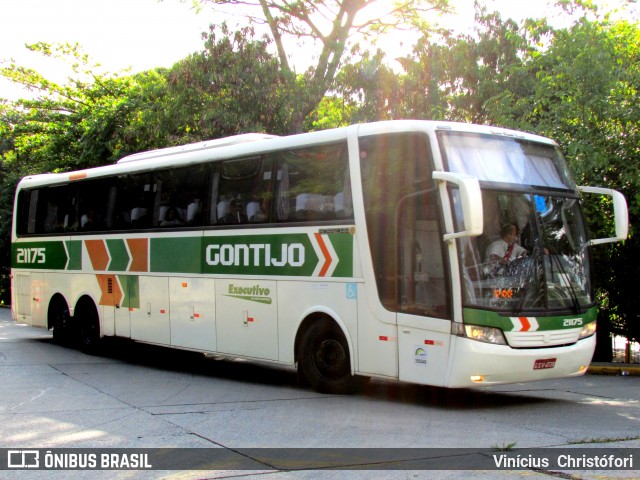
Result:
39,255
493,319
119,256
176,254
74,247
343,245
286,254
131,289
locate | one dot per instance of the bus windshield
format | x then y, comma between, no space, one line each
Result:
532,254
505,160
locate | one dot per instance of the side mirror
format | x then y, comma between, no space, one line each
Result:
620,212
470,203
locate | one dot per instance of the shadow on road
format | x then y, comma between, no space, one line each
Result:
241,370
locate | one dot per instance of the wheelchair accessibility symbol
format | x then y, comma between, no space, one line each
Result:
352,291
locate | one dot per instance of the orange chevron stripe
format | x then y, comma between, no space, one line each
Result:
111,294
98,254
325,253
139,248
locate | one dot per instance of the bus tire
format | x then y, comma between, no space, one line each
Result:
59,319
88,325
324,359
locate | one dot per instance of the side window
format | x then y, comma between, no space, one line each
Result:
131,200
27,211
181,193
403,224
47,210
95,205
313,184
21,219
244,192
60,210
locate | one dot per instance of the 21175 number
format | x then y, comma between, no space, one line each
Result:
31,255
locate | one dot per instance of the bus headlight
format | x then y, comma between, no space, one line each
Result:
479,333
588,330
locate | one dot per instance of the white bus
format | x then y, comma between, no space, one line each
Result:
354,252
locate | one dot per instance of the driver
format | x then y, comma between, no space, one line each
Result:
504,250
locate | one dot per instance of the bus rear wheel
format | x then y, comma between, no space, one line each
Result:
60,321
88,323
324,359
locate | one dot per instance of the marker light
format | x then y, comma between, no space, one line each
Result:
477,378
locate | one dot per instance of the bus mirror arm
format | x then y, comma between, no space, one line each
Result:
470,203
620,211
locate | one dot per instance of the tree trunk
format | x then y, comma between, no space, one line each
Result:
604,348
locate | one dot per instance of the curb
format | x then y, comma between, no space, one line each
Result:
620,369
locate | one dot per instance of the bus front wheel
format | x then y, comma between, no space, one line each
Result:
324,359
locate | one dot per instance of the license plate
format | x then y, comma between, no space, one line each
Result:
544,363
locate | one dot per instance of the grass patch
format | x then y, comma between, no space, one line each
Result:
603,440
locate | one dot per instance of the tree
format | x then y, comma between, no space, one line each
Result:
64,126
59,127
460,77
447,76
233,85
370,89
331,24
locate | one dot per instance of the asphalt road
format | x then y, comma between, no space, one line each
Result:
139,396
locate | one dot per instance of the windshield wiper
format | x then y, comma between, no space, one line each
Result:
525,288
574,298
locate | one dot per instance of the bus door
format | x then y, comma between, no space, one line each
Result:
423,291
29,298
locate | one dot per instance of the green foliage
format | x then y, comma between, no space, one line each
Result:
370,89
233,85
332,112
63,126
586,88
